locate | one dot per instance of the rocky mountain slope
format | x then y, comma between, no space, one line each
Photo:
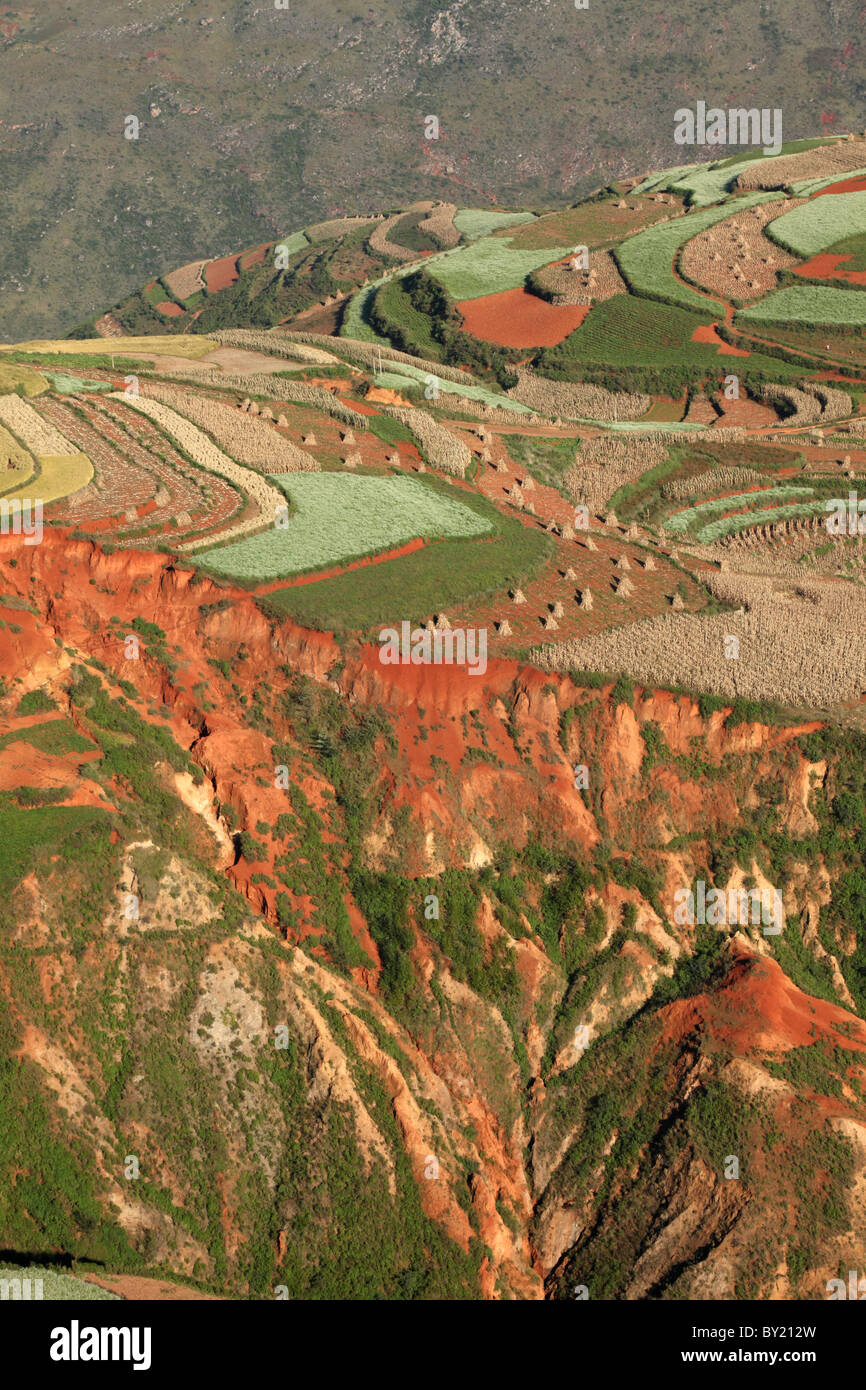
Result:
333,978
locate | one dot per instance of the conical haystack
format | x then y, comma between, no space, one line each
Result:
352,460
677,602
394,460
254,410
590,544
570,574
267,413
504,628
633,532
552,527
558,610
586,600
501,466
625,588
348,437
610,519
245,403
529,483
649,563
485,455
310,439
282,422
623,563
530,507
518,596
443,622
550,623
568,532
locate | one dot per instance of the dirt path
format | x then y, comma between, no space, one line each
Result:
408,549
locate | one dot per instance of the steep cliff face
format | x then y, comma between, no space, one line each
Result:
371,980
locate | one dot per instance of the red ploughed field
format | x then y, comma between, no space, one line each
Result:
171,311
222,273
515,318
825,266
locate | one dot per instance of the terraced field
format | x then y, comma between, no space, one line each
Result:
339,518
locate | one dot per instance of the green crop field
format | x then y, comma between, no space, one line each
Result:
692,517
490,266
479,222
811,304
625,333
413,587
340,517
646,260
815,225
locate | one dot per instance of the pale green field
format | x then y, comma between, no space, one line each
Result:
489,266
820,223
478,222
816,304
341,517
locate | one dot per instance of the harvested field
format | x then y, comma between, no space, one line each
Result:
378,238
605,464
794,647
201,450
563,285
821,162
646,260
148,345
442,449
515,318
246,438
275,342
336,226
734,259
170,310
186,281
440,225
576,400
370,355
36,434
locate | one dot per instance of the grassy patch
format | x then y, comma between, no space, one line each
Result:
414,586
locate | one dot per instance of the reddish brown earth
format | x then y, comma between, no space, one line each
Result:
516,318
222,273
709,333
522,791
408,549
171,310
843,186
825,266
